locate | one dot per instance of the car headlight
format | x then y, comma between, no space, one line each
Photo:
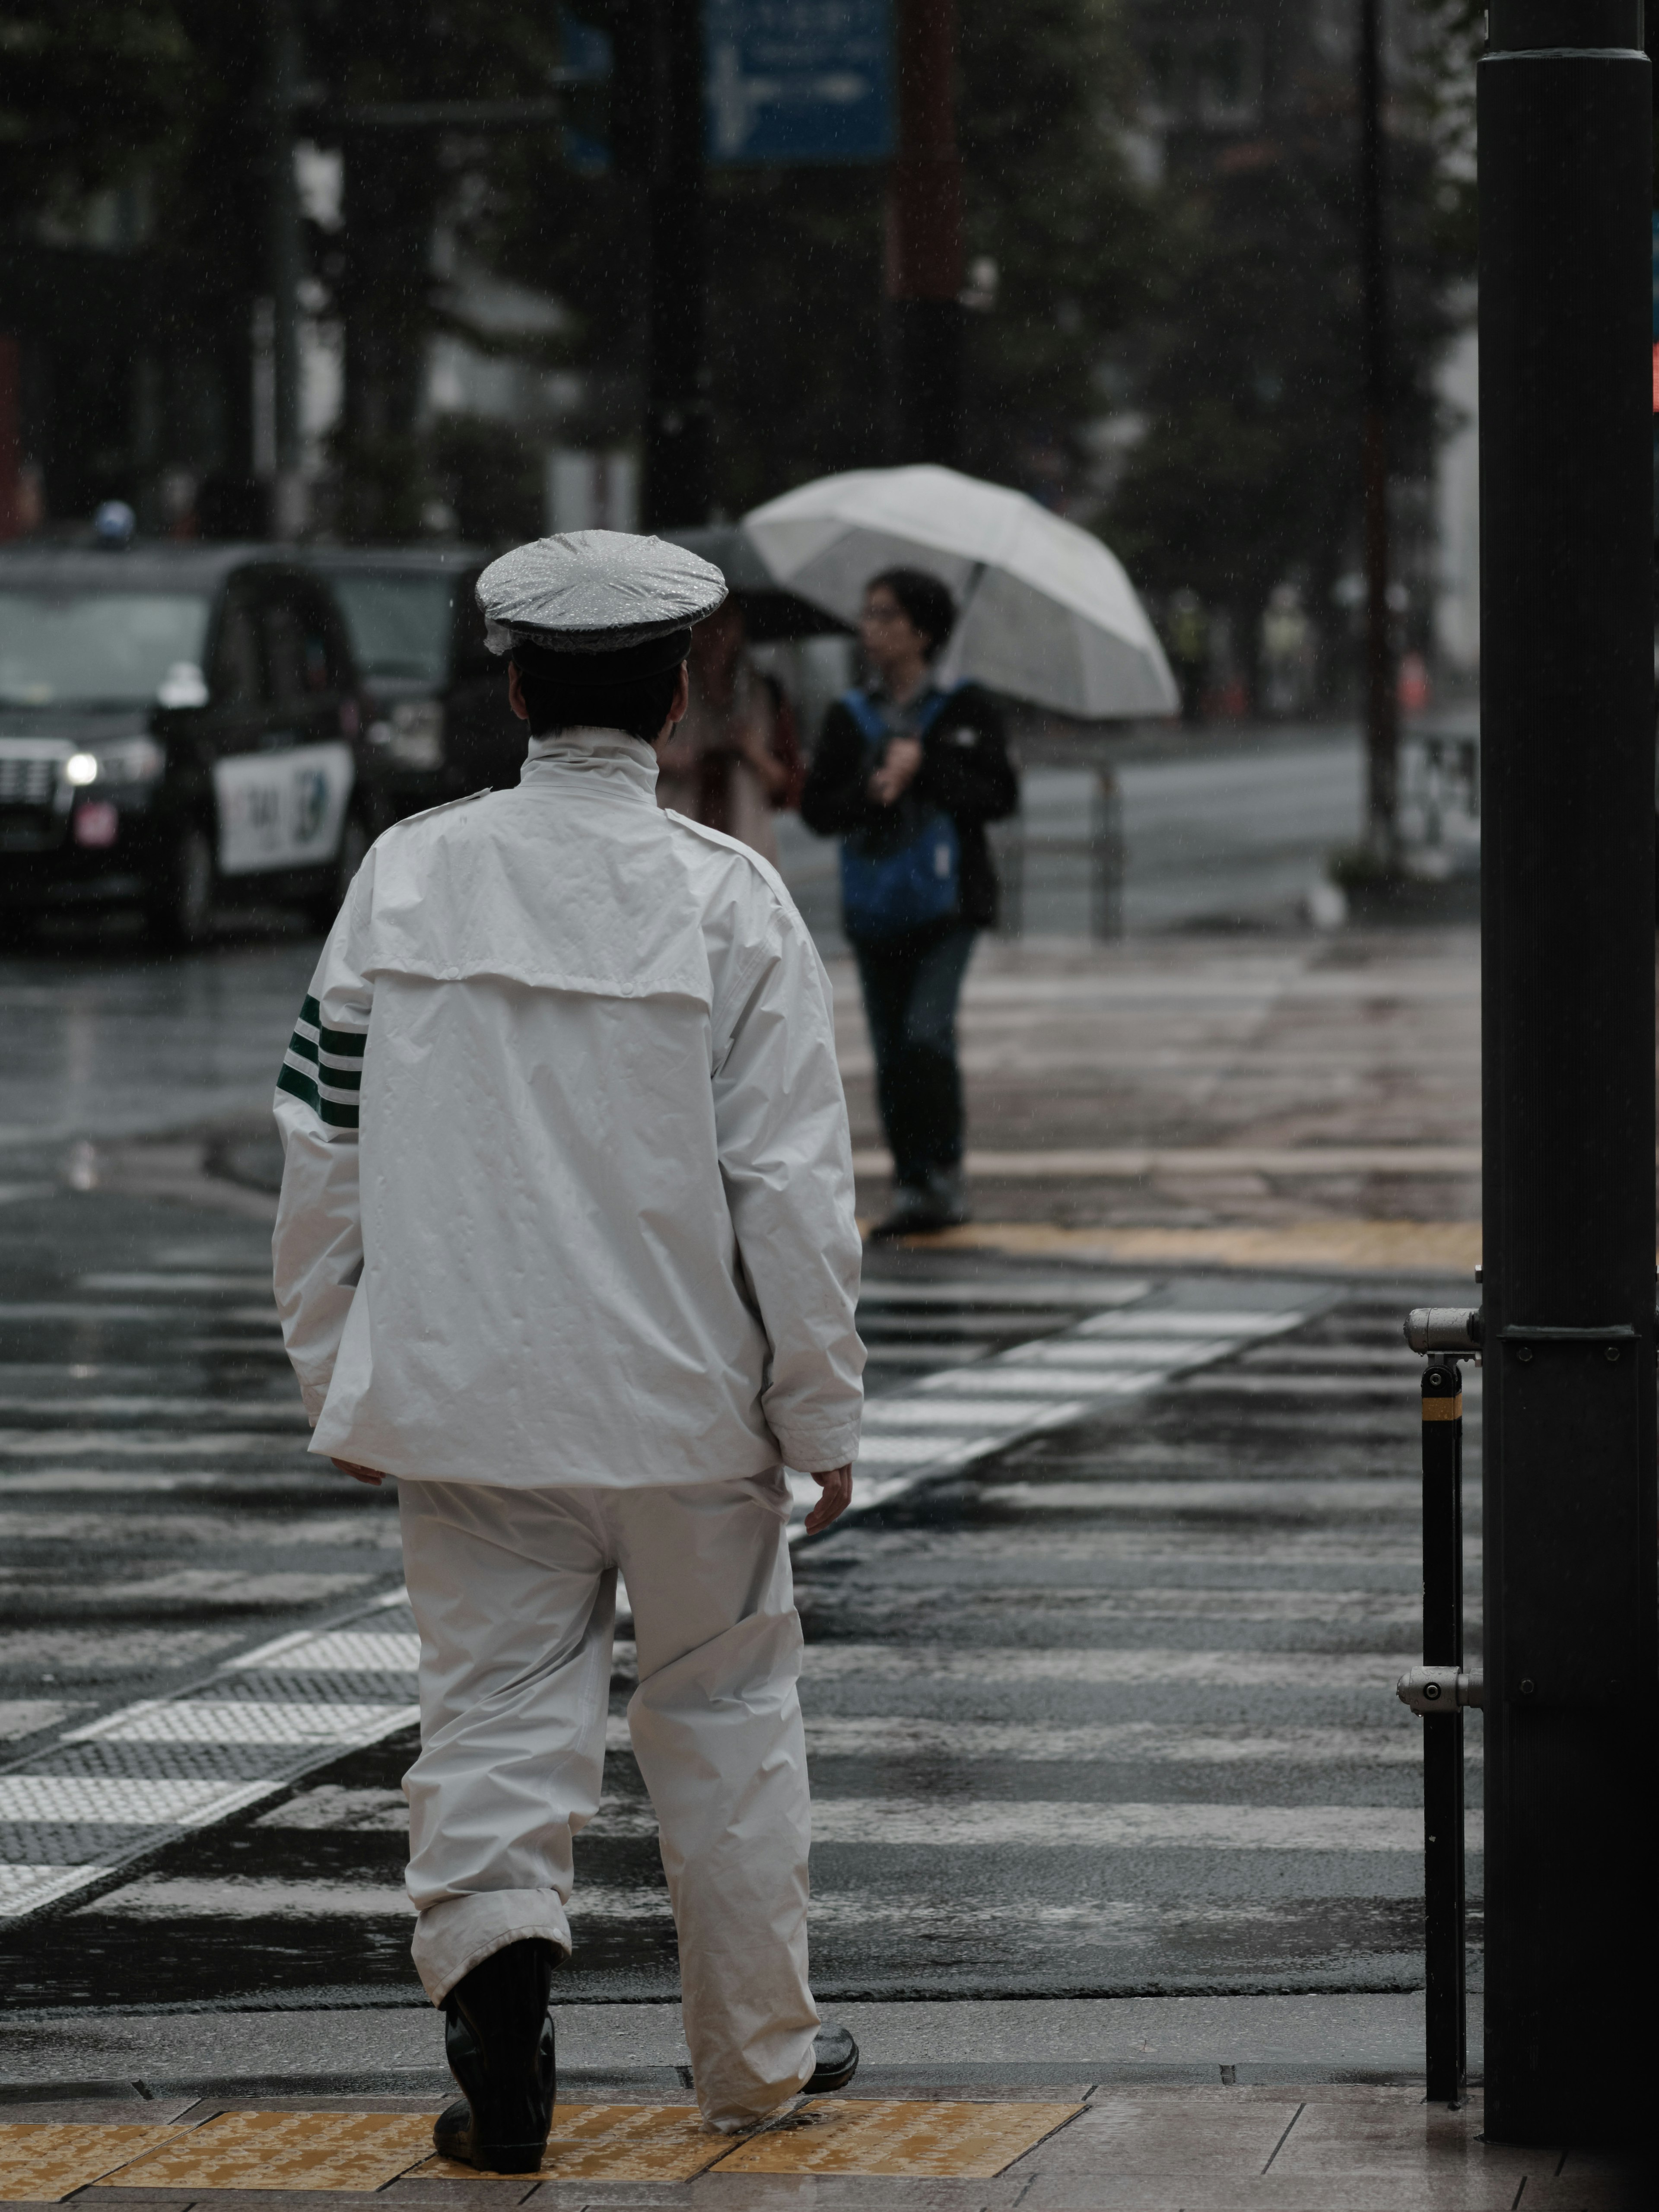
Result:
415,736
129,760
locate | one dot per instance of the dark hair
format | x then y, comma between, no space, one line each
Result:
927,602
641,707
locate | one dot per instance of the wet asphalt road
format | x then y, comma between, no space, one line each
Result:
1108,1709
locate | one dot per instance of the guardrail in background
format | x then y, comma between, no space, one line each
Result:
1076,865
1438,812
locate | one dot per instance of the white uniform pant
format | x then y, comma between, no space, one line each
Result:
514,1593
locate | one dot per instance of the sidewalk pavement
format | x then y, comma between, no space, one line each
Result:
1305,1102
1295,2103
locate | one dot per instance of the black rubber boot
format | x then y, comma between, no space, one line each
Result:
498,2039
838,2061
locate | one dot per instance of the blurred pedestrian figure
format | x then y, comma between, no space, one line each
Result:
566,1245
1189,643
1286,652
907,775
735,760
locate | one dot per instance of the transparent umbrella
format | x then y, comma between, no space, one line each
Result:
1047,614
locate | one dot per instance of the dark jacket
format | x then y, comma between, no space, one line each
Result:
965,771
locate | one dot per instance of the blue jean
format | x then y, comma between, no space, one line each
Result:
910,995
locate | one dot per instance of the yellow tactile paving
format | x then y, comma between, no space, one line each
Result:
43,2161
283,2150
613,2142
966,2141
1344,1245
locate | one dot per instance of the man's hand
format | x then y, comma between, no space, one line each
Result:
369,1474
837,1488
899,767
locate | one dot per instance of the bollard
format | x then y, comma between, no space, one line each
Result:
1439,1689
1445,2021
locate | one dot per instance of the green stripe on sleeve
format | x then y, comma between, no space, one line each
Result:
347,1043
298,1086
301,1047
337,1116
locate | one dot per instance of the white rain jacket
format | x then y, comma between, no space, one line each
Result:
568,1190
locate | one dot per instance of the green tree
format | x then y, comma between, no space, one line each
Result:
1250,374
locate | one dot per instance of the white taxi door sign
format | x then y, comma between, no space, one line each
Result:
281,809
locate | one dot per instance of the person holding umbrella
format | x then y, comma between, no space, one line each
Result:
907,774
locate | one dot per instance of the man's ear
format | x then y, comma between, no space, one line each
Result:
679,704
515,692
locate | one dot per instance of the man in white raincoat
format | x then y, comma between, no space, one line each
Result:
566,1246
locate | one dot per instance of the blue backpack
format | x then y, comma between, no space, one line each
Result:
905,872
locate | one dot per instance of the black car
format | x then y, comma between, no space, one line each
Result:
441,727
178,724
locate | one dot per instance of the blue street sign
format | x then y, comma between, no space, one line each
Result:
797,80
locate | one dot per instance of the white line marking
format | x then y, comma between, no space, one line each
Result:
1060,1293
1175,1321
200,1720
122,1801
1372,1494
900,1664
968,1412
26,1888
337,1652
352,1812
171,1409
120,1445
156,1280
908,1823
1038,1743
249,1897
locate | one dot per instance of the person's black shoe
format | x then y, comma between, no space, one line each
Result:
912,1210
837,2057
498,2039
948,1189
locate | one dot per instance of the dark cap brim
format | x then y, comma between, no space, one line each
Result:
603,671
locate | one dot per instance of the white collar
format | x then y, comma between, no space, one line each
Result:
611,754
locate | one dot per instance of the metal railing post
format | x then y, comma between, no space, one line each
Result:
1444,2008
1440,1689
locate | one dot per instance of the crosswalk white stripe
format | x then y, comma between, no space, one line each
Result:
335,1651
56,1481
872,1735
900,1665
182,1279
250,1721
123,1800
1097,1379
1199,1323
251,1896
1367,1494
937,1410
171,1409
1156,1346
26,1888
947,1823
1057,1293
26,1444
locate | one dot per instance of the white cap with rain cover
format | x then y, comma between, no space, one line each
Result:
559,602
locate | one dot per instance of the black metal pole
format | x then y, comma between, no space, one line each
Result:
1382,698
677,457
1567,786
924,240
288,486
1445,2006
